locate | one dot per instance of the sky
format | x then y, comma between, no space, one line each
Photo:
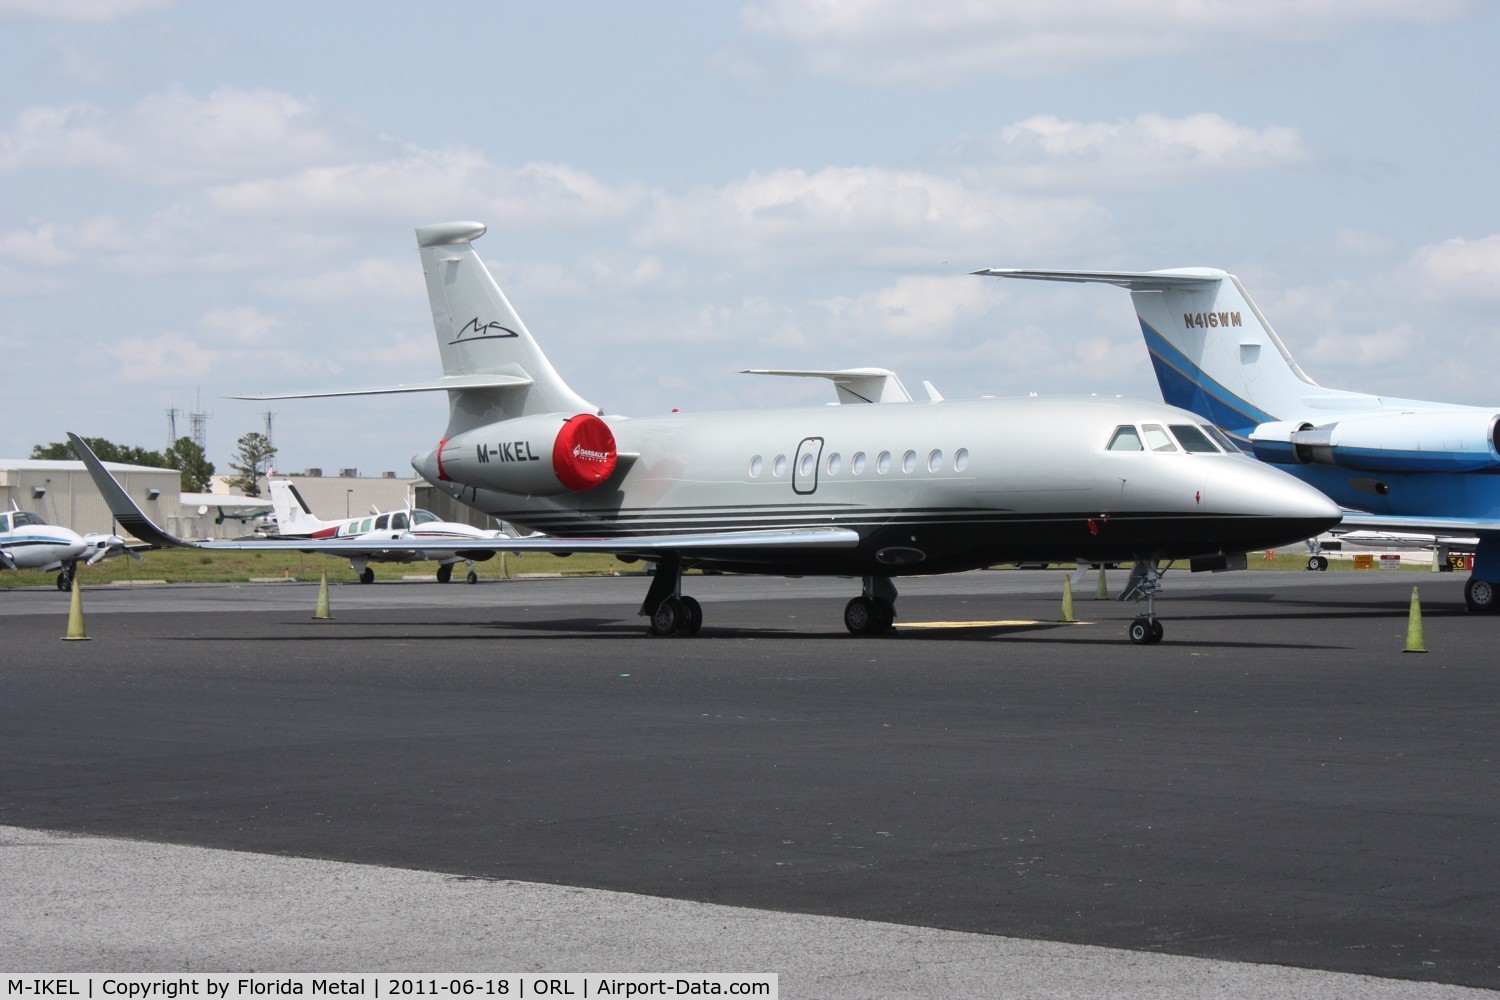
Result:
202,199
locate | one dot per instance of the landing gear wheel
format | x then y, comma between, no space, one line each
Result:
473,577
445,573
692,617
1146,631
65,580
1317,564
1480,595
368,576
667,616
866,616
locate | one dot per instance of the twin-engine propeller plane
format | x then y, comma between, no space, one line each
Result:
384,534
28,542
873,490
1401,465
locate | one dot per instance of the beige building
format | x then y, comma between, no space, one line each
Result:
62,492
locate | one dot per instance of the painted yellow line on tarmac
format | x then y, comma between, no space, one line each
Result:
996,624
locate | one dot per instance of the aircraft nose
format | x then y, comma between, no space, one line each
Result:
426,464
1276,498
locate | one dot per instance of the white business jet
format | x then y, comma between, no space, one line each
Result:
295,519
28,542
870,490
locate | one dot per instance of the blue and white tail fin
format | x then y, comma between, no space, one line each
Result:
479,334
1213,351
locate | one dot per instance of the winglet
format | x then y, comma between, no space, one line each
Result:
124,509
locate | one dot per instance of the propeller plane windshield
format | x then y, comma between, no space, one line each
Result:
878,487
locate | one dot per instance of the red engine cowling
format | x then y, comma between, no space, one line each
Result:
542,455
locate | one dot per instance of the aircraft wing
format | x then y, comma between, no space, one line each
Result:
1136,281
130,517
1354,521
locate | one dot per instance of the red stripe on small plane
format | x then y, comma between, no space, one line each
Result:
326,532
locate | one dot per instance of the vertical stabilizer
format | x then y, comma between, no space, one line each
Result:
293,516
1212,349
479,333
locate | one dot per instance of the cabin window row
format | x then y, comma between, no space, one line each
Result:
860,463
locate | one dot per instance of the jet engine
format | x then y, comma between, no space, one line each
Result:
1411,441
542,455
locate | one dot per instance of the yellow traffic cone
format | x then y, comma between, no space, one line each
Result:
1102,593
1067,614
75,614
323,611
1414,643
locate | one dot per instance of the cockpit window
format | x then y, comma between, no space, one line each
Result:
1193,440
1125,438
1220,438
398,521
420,516
1157,438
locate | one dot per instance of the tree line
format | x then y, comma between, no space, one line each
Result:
252,459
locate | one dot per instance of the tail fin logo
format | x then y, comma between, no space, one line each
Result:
474,330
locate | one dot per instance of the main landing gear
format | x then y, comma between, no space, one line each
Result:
665,606
1144,582
873,612
1479,595
65,577
445,572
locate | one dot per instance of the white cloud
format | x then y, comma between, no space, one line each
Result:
886,42
172,137
76,10
913,309
866,216
432,184
1044,153
37,248
1467,271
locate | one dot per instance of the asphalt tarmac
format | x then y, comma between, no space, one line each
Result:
1276,783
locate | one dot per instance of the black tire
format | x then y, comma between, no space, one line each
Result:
863,616
368,576
64,581
473,577
1317,564
1141,631
1480,595
1156,631
445,572
692,617
666,617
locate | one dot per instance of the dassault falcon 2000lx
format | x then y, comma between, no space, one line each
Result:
873,490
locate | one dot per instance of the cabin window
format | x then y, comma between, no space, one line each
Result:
364,525
1220,438
1125,438
935,460
382,521
858,463
778,466
807,463
883,463
1192,439
398,521
756,464
4,522
835,463
961,460
909,462
1157,438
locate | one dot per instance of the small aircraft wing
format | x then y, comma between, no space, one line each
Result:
1355,521
130,517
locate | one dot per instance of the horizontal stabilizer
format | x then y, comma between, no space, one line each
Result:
854,385
448,382
1136,281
